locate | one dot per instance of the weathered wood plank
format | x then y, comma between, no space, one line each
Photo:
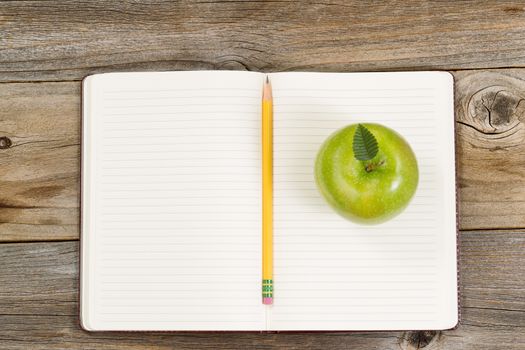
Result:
38,304
64,40
39,278
490,115
39,151
61,332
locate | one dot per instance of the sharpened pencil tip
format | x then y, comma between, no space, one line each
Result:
267,90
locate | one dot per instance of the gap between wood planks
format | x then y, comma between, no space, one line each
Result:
520,230
404,69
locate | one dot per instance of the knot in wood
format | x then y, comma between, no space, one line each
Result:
233,63
496,109
5,142
415,340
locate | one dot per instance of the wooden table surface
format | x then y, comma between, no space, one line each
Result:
48,46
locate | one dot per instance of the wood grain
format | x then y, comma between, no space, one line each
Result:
39,177
490,115
38,305
66,40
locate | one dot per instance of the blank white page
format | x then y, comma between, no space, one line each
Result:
331,274
171,208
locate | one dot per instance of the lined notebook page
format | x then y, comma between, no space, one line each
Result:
171,202
331,274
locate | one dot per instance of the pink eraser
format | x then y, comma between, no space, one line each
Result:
267,301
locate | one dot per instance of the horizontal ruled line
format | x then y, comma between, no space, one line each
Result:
179,314
163,190
180,234
352,273
251,267
178,143
150,98
352,113
176,259
367,312
181,182
177,230
346,320
164,205
313,251
240,128
187,321
330,220
425,257
215,112
121,305
151,167
116,252
278,90
374,97
298,127
174,138
173,282
165,297
232,171
178,151
181,220
367,228
183,105
283,290
178,274
150,121
220,244
281,283
178,90
278,104
350,118
222,160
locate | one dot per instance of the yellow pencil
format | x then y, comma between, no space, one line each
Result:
267,194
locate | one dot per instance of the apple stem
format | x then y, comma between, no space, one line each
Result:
372,166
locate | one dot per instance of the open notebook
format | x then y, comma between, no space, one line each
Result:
171,205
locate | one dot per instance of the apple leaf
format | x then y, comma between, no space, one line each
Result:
365,144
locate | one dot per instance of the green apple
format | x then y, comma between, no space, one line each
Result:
367,172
